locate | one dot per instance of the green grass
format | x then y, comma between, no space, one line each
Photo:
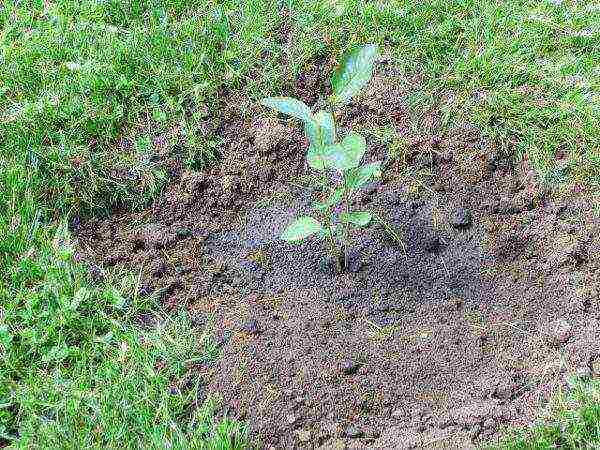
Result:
87,86
78,371
574,423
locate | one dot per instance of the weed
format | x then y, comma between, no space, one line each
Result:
338,162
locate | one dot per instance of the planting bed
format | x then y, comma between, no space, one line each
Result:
466,323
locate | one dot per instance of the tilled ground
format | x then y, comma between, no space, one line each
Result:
485,306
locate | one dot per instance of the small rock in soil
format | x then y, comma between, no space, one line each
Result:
489,424
595,366
578,252
251,327
292,419
353,432
461,218
158,268
557,332
398,414
303,435
439,187
505,390
583,373
431,243
349,367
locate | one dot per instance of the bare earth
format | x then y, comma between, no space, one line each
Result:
485,307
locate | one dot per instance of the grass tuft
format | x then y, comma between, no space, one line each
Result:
573,423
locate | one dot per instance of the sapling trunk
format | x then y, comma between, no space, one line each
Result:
333,248
346,232
326,154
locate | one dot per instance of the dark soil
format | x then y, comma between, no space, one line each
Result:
468,324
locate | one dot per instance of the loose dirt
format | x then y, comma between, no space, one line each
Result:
466,324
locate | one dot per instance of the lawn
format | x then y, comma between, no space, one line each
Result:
79,369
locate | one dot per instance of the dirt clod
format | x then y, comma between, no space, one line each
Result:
353,432
461,218
251,327
303,435
557,332
349,367
431,243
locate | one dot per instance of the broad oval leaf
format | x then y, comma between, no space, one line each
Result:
355,146
320,130
289,106
338,157
313,133
359,176
326,127
358,218
301,228
348,154
353,74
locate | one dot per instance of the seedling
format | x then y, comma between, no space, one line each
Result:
337,161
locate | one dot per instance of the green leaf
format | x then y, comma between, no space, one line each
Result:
318,157
358,218
337,157
326,125
81,295
355,146
313,133
300,229
289,106
359,176
333,231
353,74
320,130
57,353
347,155
334,199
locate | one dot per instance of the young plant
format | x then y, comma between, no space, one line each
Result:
337,161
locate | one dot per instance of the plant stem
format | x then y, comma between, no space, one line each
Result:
326,217
347,225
